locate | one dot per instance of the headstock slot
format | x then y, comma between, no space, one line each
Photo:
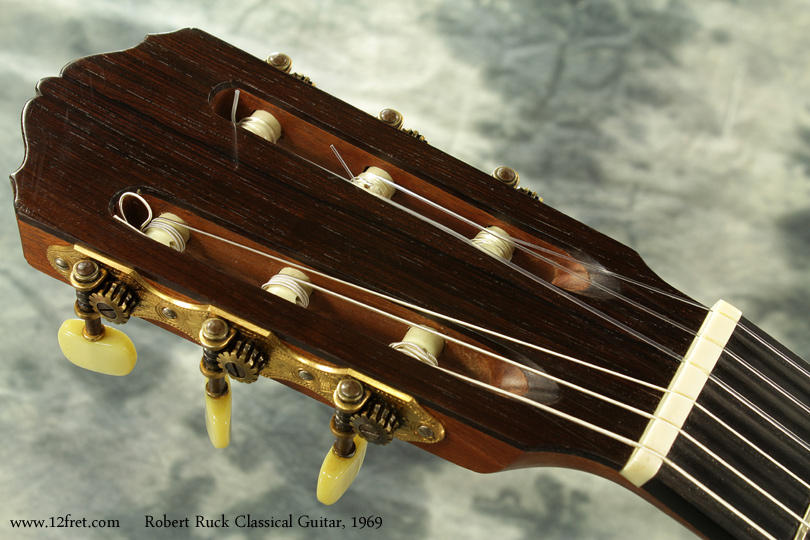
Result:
306,140
240,258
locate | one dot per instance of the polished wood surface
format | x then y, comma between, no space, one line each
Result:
155,118
142,118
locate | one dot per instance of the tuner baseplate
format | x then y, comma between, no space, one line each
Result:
284,363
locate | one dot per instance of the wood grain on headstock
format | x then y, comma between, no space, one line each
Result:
156,118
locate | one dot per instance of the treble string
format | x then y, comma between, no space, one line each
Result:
548,286
769,382
534,251
528,247
762,414
546,408
573,386
754,447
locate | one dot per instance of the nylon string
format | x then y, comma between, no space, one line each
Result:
543,374
527,247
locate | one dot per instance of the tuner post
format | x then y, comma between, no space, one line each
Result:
349,397
215,335
495,241
345,457
85,277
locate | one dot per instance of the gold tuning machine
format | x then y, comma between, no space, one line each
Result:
345,457
85,341
395,119
510,177
362,417
366,410
283,63
215,335
280,61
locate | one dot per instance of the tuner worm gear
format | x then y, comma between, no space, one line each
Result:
113,301
243,360
530,193
376,422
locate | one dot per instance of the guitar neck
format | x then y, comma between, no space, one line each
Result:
740,469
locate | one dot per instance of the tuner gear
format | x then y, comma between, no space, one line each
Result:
530,193
114,301
243,360
377,422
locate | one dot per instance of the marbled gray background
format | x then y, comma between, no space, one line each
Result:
682,128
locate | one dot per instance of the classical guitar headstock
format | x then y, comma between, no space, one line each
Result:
294,237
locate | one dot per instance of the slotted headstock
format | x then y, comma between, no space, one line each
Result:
158,121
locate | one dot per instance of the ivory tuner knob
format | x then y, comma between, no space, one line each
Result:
338,473
218,418
112,354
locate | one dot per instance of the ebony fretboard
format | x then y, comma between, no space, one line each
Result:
765,403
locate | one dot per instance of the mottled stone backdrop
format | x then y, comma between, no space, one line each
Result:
680,127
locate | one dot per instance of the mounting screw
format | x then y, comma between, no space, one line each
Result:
61,264
425,431
168,313
305,375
